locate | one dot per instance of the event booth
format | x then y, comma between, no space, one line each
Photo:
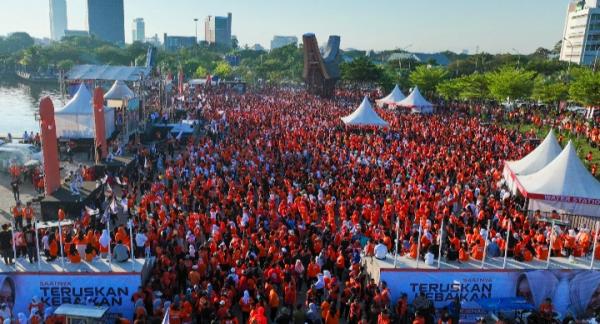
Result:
564,185
416,102
394,98
126,104
76,119
364,115
536,160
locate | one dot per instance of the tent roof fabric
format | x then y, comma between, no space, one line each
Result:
364,115
415,99
119,91
107,72
81,103
565,178
393,98
537,159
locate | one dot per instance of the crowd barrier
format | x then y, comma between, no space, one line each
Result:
575,292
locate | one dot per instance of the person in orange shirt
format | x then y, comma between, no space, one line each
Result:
28,213
74,256
273,303
17,213
477,250
547,310
463,254
246,303
90,253
332,316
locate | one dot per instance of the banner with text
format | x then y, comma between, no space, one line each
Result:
575,292
102,289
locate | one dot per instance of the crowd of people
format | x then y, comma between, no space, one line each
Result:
267,215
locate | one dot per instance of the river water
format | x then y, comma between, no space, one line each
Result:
19,101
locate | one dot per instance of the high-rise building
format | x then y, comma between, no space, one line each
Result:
139,30
58,19
106,20
175,43
217,30
581,36
281,41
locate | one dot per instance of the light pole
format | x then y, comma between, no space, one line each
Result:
518,57
570,55
196,23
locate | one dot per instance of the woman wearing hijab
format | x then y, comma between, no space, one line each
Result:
104,243
584,293
246,305
536,286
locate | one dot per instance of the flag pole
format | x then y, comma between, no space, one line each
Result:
397,238
506,246
130,225
419,246
485,243
594,249
14,244
37,244
441,243
62,250
551,242
109,241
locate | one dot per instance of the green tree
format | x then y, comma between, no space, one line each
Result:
427,78
65,65
361,70
449,89
474,87
201,72
223,70
549,91
510,83
585,88
16,42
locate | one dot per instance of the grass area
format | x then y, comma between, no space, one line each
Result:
581,144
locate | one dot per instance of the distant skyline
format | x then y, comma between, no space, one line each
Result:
494,26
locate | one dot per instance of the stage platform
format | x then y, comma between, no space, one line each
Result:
97,266
375,266
71,204
123,161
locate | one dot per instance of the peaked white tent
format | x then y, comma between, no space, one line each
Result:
536,160
393,98
564,185
76,119
119,91
416,102
364,115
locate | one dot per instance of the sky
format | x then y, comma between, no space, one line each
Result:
493,26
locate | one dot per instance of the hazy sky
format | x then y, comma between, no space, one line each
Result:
429,25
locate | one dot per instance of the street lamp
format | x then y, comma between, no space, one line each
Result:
196,23
570,55
518,57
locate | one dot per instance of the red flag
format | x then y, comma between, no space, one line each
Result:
180,82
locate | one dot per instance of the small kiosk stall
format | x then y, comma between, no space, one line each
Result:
126,104
83,314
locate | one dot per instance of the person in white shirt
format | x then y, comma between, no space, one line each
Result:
429,258
140,243
381,250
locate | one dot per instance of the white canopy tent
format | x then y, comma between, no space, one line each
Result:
416,102
76,119
564,185
118,92
536,160
364,115
395,97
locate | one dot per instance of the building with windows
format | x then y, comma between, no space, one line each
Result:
581,36
175,43
73,32
281,41
217,30
106,20
58,19
139,30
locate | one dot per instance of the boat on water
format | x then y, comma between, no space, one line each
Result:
37,76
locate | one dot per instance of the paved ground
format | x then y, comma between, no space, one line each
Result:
27,191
